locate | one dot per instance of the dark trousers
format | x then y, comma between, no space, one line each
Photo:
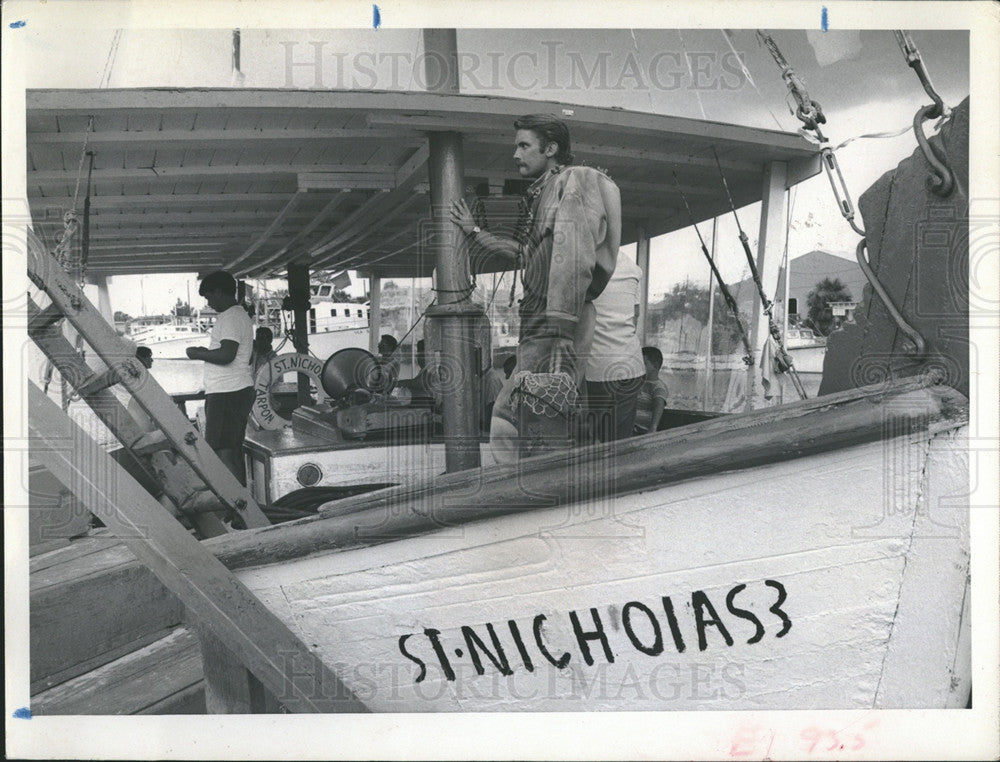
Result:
611,408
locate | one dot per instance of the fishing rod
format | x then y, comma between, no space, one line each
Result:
728,297
784,361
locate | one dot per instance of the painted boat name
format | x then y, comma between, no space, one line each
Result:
639,622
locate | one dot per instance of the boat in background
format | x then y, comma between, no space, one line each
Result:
807,350
168,338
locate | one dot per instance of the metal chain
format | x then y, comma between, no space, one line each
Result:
810,113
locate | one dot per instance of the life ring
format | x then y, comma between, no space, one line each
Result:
264,412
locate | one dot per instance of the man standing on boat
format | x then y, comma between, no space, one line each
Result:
228,373
567,244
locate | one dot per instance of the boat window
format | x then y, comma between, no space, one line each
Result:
360,313
333,313
313,290
325,290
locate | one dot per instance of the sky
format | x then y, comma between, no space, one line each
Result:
859,77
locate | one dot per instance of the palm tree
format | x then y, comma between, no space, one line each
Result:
820,316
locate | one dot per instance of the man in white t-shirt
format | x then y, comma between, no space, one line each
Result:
615,369
229,390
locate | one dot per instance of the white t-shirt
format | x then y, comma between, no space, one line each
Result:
615,353
232,325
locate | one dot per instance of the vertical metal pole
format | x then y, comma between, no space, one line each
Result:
453,308
409,324
769,246
642,259
298,289
711,318
375,312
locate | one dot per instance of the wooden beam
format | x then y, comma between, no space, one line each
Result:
216,598
325,181
770,248
359,172
201,136
450,108
405,178
113,201
187,218
708,448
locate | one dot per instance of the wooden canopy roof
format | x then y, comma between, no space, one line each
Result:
251,180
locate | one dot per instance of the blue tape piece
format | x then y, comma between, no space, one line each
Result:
376,17
22,714
824,19
18,24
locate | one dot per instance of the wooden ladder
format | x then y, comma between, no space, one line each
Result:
193,477
252,661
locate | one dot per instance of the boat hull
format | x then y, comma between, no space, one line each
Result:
837,580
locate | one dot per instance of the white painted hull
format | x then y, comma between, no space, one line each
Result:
325,343
862,549
808,359
171,349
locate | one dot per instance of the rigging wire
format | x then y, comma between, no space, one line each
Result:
749,78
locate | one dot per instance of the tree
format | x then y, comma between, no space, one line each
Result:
691,299
820,316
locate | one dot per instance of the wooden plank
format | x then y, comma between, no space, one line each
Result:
450,109
104,175
229,687
132,683
217,600
79,622
203,136
77,548
160,217
98,660
189,700
118,354
641,463
175,200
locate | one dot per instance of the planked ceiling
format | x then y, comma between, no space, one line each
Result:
251,180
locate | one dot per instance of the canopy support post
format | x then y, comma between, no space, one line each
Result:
642,259
298,290
770,247
375,312
453,308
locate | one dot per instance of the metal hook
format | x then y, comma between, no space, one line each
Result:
941,182
897,316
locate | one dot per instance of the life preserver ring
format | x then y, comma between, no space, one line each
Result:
264,411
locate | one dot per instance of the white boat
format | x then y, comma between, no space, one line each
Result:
813,555
806,349
685,569
332,324
168,341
